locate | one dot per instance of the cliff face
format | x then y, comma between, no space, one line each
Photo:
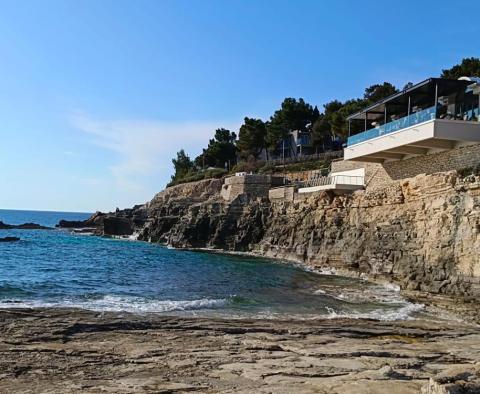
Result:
423,233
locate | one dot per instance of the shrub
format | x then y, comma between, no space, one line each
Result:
198,176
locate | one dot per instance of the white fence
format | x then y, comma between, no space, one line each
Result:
333,180
315,156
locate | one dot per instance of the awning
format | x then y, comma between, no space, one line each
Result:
421,94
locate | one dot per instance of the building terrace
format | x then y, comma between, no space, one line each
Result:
434,115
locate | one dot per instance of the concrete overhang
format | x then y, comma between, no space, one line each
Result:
338,188
429,137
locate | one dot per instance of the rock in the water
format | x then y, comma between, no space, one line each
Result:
24,226
31,226
9,239
113,225
96,220
122,222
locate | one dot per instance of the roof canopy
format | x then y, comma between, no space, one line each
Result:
421,94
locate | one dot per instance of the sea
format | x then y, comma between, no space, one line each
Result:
60,269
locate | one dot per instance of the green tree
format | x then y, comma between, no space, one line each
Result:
182,165
251,138
469,67
315,116
338,124
321,133
378,92
220,150
333,122
292,115
276,131
333,119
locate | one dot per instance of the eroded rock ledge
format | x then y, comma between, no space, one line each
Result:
68,351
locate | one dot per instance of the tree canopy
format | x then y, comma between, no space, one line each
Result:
469,67
220,150
293,115
182,165
251,138
332,124
378,92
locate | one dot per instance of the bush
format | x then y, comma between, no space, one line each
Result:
248,166
467,171
296,167
193,176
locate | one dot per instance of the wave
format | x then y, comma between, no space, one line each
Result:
386,294
112,303
405,312
132,304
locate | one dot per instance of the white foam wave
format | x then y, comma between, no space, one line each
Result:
112,303
134,236
387,293
392,287
405,312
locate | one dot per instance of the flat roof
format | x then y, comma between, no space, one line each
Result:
445,86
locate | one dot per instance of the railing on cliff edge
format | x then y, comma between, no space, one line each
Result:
299,159
332,180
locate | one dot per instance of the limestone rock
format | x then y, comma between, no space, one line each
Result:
422,233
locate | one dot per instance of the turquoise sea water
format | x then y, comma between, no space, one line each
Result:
56,268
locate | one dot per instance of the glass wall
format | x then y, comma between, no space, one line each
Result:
396,125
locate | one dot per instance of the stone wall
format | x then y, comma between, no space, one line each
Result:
375,174
283,193
255,186
454,159
381,175
304,175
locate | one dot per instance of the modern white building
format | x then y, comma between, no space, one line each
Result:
432,116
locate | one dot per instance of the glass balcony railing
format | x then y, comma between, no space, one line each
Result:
391,127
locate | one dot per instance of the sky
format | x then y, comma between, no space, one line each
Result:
97,96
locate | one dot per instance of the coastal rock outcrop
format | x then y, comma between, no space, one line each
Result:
119,223
422,232
94,221
24,226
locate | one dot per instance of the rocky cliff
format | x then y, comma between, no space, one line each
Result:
423,232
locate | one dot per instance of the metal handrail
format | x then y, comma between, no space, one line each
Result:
393,126
302,158
333,180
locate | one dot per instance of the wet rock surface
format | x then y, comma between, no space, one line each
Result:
119,223
9,239
24,226
93,222
71,351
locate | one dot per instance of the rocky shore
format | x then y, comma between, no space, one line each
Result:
68,351
421,233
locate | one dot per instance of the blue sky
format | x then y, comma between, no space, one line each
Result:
97,96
